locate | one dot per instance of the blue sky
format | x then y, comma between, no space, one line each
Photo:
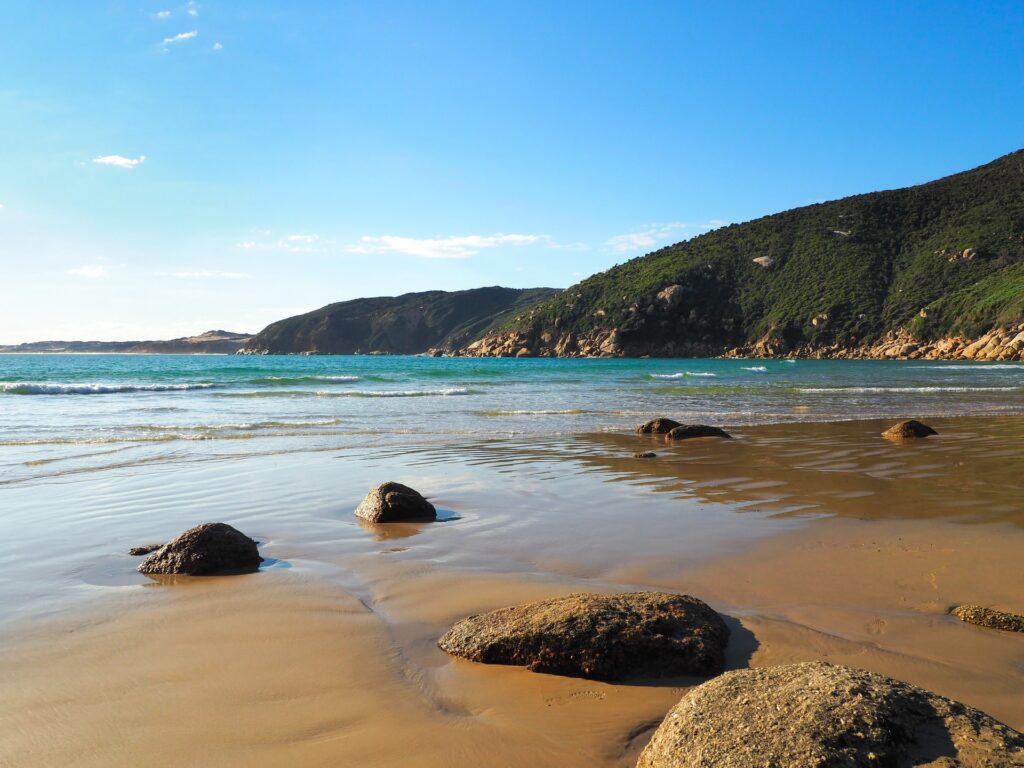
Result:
170,167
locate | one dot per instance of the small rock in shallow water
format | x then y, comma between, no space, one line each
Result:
394,502
987,617
817,715
908,429
205,550
644,455
610,637
657,427
145,549
688,431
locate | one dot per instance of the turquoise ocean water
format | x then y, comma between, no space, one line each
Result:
68,406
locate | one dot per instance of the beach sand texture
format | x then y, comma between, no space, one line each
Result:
815,541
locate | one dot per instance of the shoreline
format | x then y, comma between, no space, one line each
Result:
816,540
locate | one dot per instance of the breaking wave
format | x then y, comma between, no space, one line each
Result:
684,375
28,388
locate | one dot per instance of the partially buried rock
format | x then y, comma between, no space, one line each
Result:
987,617
816,715
145,549
909,429
394,502
644,455
609,637
207,549
688,431
657,427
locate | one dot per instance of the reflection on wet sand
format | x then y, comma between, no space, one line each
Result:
972,470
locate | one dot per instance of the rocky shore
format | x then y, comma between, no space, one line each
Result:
999,344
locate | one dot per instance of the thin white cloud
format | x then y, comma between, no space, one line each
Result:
459,247
181,37
218,47
93,271
657,234
206,274
192,9
162,15
296,243
119,161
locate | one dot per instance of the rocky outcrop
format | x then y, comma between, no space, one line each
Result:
659,426
908,430
987,617
392,503
610,637
645,455
998,345
818,715
207,549
690,431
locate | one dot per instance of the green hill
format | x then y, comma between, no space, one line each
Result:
407,324
939,259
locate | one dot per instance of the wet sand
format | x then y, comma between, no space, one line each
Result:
815,541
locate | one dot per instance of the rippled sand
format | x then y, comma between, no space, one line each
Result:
816,541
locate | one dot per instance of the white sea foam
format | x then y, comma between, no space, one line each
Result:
684,375
398,393
757,368
30,388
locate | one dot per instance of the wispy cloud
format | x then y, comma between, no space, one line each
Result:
119,161
205,275
92,271
218,47
192,9
162,15
657,234
458,247
181,37
295,243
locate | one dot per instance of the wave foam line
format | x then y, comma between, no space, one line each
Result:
302,379
28,388
399,393
757,368
685,375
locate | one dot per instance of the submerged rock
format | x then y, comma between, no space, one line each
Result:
394,502
688,431
204,550
987,617
908,429
638,634
145,549
644,455
657,427
816,715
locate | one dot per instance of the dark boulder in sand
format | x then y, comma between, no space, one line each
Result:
657,427
644,455
394,502
816,715
908,429
987,617
688,431
145,549
205,550
608,637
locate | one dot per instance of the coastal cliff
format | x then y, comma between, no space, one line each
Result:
931,271
413,323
